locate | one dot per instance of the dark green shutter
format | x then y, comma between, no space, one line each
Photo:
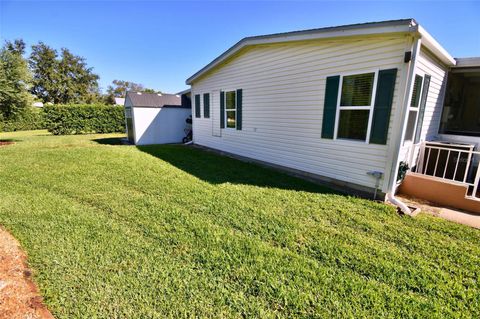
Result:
206,105
197,105
423,104
239,109
330,106
222,109
383,106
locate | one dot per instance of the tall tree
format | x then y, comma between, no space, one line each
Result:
43,63
62,79
119,88
14,80
78,83
17,46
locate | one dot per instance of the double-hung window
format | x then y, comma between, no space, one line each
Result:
355,106
231,109
413,109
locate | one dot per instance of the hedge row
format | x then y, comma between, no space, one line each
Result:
84,119
30,119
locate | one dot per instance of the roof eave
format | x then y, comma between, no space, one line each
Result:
401,26
435,47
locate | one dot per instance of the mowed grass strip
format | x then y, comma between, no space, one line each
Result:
115,231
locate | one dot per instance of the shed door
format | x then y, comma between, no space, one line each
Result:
130,130
215,113
129,122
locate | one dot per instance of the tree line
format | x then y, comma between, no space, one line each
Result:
50,76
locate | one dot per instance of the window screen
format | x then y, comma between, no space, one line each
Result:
353,124
231,109
357,89
417,87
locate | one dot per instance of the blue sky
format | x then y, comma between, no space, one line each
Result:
160,43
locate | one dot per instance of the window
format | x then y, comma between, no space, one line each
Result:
197,105
128,112
206,105
230,109
461,110
413,109
356,106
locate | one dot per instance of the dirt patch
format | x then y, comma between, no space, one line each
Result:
19,297
5,143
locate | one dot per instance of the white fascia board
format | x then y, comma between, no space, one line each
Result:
432,44
336,32
468,62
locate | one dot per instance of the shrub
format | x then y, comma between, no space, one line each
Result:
30,119
84,119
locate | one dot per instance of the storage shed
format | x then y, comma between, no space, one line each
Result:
155,118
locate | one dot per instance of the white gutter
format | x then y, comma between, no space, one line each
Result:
365,29
435,47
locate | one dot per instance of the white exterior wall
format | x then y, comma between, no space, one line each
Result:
283,97
428,64
159,125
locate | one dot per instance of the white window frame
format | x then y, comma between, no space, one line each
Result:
231,110
366,107
416,109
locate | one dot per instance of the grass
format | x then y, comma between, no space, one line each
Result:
116,231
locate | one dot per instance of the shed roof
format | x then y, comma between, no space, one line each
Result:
359,29
140,99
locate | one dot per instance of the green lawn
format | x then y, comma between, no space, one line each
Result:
115,231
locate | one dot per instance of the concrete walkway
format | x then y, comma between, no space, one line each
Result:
457,216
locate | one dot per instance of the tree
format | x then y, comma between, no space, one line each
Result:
43,63
18,46
78,83
62,80
120,88
14,80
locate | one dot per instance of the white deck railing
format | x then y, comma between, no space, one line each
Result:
447,162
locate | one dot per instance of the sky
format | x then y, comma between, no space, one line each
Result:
160,43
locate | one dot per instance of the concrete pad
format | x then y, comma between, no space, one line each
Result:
457,216
472,220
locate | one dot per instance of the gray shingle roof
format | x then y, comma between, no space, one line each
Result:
154,99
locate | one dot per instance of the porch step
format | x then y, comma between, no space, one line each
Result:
441,192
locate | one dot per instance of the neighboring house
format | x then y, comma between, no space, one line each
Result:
119,101
153,118
345,105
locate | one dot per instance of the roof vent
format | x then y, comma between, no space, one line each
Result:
159,94
139,93
177,95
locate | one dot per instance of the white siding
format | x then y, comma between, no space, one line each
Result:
283,94
428,64
154,125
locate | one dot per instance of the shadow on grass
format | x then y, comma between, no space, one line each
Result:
8,141
109,141
218,169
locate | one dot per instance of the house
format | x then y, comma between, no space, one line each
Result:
350,105
155,118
